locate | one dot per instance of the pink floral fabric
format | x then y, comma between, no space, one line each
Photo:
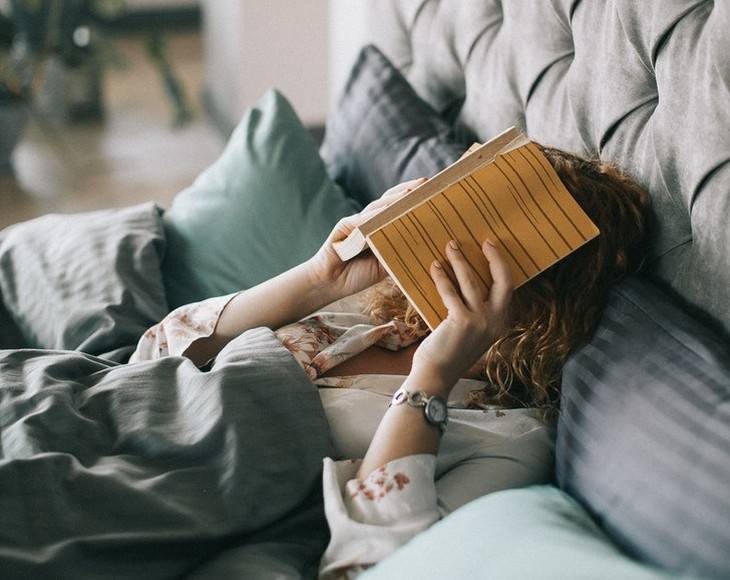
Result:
383,511
319,342
181,328
324,340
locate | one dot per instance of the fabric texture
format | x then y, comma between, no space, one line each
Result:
381,133
598,78
90,282
154,470
371,518
536,532
264,206
644,432
482,451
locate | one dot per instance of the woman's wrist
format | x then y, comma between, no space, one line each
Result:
431,381
325,290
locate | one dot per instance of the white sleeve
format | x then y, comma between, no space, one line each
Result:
371,518
181,328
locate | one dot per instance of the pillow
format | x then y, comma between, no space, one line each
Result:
265,206
535,532
90,282
644,432
382,133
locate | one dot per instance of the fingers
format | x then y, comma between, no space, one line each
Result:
404,187
473,288
501,291
393,194
446,289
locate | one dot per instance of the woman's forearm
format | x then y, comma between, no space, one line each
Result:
404,430
286,298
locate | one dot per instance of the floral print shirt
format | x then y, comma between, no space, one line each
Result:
482,450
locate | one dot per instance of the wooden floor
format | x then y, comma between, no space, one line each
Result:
132,156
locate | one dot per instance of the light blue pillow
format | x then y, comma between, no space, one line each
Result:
265,206
535,533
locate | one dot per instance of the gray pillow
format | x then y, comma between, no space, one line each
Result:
90,282
644,432
382,132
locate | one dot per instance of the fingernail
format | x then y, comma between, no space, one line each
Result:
436,264
453,245
491,243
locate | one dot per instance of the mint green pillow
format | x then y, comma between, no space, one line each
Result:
535,533
266,205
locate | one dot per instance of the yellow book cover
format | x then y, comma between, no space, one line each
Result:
506,191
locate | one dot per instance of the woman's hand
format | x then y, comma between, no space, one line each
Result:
477,315
346,278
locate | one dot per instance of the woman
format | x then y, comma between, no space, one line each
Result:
496,359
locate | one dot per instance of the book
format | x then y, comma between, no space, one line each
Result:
505,190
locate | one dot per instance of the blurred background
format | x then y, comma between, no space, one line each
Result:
109,103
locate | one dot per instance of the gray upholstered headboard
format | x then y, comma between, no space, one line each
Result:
644,84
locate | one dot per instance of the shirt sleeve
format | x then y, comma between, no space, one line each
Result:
371,518
181,328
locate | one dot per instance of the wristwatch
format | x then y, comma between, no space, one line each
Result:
434,407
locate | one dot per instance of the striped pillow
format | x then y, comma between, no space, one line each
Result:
382,133
644,432
90,281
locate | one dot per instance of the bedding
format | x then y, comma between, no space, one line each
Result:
263,207
537,532
483,450
644,432
151,470
381,133
90,282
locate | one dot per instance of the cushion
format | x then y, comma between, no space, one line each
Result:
644,432
90,282
264,206
382,133
535,532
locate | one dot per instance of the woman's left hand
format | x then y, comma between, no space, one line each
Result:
346,278
477,315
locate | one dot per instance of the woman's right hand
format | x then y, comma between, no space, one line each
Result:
477,316
345,278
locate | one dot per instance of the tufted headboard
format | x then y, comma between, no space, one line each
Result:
644,84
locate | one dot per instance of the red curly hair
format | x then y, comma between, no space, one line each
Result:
556,312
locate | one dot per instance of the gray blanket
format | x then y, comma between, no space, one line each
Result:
158,470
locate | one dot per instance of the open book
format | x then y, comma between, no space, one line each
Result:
505,190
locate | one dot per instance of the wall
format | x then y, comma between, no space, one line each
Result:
252,45
348,32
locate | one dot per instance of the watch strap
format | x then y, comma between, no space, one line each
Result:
420,399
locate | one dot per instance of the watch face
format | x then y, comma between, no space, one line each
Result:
436,410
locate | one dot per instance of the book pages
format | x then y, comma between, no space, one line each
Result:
517,201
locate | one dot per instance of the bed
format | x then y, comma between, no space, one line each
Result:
159,470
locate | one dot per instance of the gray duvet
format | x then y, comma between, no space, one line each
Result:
155,469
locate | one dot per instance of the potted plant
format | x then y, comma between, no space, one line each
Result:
52,55
13,96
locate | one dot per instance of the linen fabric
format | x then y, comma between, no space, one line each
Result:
483,450
157,470
264,206
644,432
535,532
382,133
90,282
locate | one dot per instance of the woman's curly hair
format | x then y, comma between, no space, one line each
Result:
556,312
